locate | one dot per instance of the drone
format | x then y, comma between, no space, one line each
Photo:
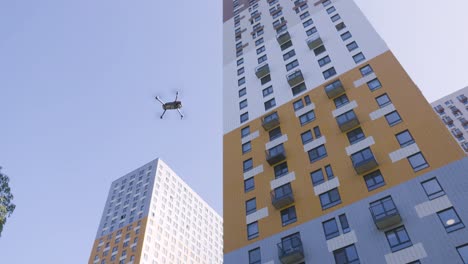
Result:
175,105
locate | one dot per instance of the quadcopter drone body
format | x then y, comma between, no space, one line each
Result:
175,105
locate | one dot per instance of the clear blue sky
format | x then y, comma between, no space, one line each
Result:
77,80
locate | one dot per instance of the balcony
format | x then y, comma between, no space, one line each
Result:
447,120
282,37
279,25
314,41
262,70
299,4
275,154
439,109
462,98
274,11
457,133
364,161
254,16
384,213
270,121
290,250
347,121
465,146
334,89
282,196
295,78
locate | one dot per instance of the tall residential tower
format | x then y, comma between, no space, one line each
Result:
152,216
331,152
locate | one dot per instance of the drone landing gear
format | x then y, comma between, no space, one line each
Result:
181,115
163,114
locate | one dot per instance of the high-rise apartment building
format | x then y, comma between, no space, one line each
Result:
453,110
152,216
331,152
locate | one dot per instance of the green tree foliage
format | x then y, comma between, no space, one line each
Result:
6,206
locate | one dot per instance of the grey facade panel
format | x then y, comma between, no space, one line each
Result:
372,244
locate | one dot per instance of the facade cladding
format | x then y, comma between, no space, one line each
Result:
331,152
453,111
152,216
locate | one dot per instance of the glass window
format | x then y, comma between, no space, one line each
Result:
286,45
319,50
288,216
255,256
262,59
307,23
243,104
374,180
307,117
330,229
289,54
374,84
346,255
261,49
259,41
398,239
329,73
306,137
418,162
246,147
298,89
242,92
324,61
252,230
362,156
346,35
329,172
383,100
265,79
432,188
281,170
463,251
270,104
245,131
341,100
240,71
404,138
331,10
244,117
307,100
317,177
344,223
355,135
317,153
275,133
340,26
293,64
450,220
249,184
393,118
334,18
352,46
241,81
304,15
298,104
267,91
330,199
240,61
248,164
311,31
366,70
359,57
250,206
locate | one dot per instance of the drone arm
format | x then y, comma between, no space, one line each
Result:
181,115
176,95
163,114
157,98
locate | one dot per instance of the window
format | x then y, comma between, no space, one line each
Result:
331,10
259,41
248,165
307,23
244,117
288,216
326,3
311,31
346,35
255,256
293,64
304,15
319,50
317,153
324,61
317,177
289,54
275,133
306,137
450,220
250,206
243,104
404,138
298,104
340,26
329,172
249,185
359,57
246,147
265,79
261,49
262,59
341,100
307,117
346,255
344,223
242,92
393,118
374,84
432,188
245,131
362,157
398,239
267,91
241,81
355,135
374,180
286,45
335,17
298,89
418,162
329,73
463,251
352,46
270,104
281,170
383,100
330,229
366,70
252,230
330,199
240,61
240,71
